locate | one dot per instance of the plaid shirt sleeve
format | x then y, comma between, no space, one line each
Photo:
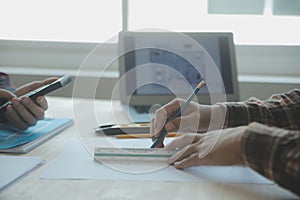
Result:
280,110
271,144
274,153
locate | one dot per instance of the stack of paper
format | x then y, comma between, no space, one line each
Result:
14,167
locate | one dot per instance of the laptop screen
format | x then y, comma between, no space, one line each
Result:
164,66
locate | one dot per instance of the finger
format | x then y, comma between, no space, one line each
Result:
182,141
195,160
170,125
153,137
190,161
174,125
185,122
172,107
36,110
209,142
183,153
23,112
14,119
159,122
162,114
7,95
33,85
42,102
50,80
160,144
152,129
28,87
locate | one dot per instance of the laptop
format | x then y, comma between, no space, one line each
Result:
156,67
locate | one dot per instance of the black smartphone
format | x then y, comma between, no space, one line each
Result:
46,89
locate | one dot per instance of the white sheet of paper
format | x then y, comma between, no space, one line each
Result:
14,167
76,162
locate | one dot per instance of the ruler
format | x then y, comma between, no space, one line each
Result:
132,154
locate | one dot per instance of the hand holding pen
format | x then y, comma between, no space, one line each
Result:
168,118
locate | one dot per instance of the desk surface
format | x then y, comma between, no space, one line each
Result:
32,187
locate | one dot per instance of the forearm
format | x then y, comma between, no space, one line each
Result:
282,110
274,153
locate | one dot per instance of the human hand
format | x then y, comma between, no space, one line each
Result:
195,118
220,147
23,112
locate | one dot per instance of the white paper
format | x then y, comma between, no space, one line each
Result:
14,167
76,162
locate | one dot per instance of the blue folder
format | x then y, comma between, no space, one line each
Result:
16,141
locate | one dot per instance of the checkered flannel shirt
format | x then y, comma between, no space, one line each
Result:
271,142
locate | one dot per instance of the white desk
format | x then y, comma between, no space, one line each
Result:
32,187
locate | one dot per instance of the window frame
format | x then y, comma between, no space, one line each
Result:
49,57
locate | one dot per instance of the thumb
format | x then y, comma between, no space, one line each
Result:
171,126
33,85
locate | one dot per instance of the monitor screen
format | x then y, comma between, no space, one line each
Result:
168,62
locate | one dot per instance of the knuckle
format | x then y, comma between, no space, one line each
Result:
177,100
41,115
43,105
160,111
33,122
22,126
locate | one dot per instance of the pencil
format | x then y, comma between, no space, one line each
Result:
178,112
142,135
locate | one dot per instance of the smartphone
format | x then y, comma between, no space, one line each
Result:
46,89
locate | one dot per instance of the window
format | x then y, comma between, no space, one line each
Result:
68,23
251,21
60,20
257,25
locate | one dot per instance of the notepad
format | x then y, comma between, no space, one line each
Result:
14,167
16,141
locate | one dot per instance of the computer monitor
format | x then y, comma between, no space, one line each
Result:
166,61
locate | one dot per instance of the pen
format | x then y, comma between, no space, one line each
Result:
142,135
178,112
115,129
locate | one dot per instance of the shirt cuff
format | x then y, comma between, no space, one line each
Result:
259,147
237,114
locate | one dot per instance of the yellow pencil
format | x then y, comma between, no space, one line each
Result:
142,135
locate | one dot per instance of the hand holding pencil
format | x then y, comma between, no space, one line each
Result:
169,117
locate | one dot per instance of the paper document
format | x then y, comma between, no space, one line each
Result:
14,167
76,162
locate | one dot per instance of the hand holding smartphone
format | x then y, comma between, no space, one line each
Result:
46,89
